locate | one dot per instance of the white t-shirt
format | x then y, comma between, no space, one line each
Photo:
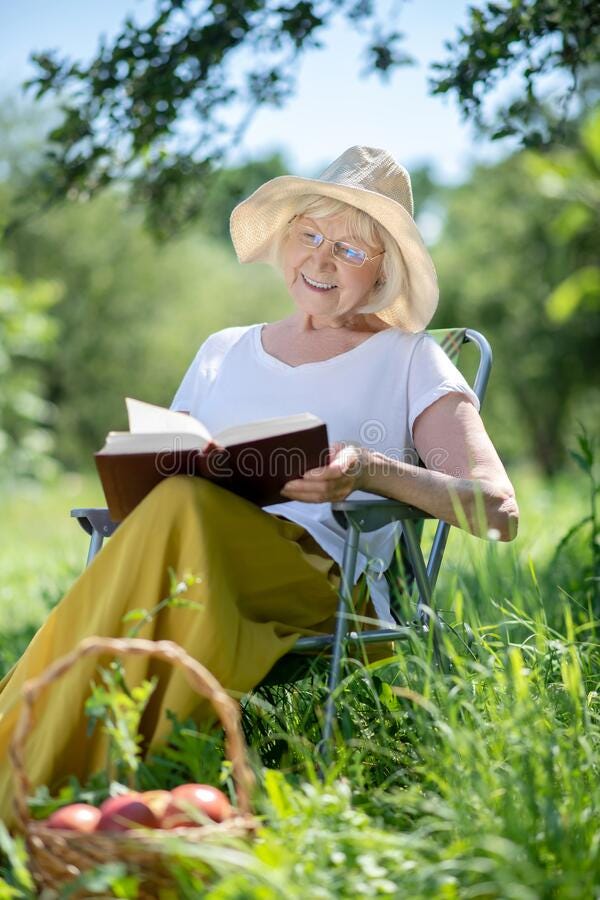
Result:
370,395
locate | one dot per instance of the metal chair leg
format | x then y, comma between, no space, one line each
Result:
96,542
341,628
420,572
96,522
429,622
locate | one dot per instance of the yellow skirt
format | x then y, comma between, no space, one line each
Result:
263,582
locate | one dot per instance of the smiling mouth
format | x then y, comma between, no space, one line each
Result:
317,285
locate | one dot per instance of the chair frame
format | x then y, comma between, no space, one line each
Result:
357,516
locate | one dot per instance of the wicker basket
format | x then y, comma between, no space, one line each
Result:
59,856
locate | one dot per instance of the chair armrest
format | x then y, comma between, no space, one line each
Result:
369,515
95,518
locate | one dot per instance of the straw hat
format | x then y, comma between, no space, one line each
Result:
364,177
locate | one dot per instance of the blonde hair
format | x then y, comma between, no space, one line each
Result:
392,281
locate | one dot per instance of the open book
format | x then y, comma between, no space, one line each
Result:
253,460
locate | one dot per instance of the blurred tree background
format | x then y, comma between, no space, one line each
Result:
107,291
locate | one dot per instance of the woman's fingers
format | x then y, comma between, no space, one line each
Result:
315,497
318,491
328,483
334,449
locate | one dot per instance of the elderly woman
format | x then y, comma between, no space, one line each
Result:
352,352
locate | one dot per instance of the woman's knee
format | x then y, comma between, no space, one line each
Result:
183,498
170,493
181,491
179,487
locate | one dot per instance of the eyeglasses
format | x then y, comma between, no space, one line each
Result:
346,253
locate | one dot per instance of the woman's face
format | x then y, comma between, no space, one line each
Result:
346,288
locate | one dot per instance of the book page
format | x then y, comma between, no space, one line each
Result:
124,442
146,418
264,428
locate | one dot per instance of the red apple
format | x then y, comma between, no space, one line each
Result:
75,817
203,798
157,801
124,812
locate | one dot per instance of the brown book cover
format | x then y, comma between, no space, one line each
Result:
255,469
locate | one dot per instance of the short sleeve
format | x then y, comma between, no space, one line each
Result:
193,387
431,376
205,366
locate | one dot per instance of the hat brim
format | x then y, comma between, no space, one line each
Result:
256,221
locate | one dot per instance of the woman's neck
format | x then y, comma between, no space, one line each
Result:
304,322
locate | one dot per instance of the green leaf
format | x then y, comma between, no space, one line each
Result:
582,287
7,891
278,792
590,135
134,615
14,850
586,445
581,461
111,876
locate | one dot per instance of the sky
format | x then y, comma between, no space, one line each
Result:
333,107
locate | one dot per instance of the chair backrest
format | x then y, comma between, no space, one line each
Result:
451,341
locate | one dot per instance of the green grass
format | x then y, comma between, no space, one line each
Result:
481,783
42,547
41,552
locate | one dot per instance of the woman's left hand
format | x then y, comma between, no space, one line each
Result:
327,484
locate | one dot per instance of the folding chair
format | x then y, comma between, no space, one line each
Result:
358,516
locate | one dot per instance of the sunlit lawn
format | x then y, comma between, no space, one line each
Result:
479,784
43,549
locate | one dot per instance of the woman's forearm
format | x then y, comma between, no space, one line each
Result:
481,507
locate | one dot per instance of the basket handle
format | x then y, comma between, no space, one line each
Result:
203,682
